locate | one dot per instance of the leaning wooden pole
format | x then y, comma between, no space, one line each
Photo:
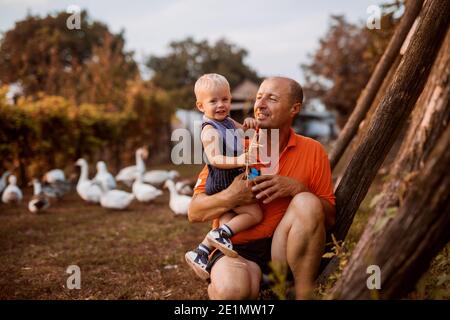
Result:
428,121
406,244
392,113
370,91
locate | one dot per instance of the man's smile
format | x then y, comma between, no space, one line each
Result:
262,115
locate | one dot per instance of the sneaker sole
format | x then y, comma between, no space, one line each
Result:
203,274
224,249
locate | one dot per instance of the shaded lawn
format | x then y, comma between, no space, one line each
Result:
132,254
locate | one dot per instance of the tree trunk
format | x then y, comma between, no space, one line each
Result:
392,113
429,119
338,170
406,243
368,94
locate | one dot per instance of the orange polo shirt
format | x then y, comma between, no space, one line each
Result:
303,159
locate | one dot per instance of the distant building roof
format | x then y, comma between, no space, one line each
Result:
245,91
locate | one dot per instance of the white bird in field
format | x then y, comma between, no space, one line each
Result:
115,199
184,188
128,174
3,180
158,177
87,189
56,189
54,175
12,193
144,192
178,203
39,201
55,184
103,177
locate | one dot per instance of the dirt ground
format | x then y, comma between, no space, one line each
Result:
133,254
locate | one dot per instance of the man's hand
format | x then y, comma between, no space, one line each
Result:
240,191
249,123
272,187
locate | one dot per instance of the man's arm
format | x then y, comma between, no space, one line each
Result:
208,207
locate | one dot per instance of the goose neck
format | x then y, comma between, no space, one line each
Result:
84,172
37,188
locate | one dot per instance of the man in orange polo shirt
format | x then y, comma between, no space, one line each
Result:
297,201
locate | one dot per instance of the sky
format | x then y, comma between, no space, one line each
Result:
278,35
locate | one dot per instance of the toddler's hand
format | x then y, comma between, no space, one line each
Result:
249,123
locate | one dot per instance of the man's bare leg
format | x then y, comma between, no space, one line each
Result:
234,279
299,240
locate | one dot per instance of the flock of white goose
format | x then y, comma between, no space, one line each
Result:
102,188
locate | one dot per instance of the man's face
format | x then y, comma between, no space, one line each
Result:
273,107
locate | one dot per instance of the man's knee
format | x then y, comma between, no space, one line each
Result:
228,290
307,208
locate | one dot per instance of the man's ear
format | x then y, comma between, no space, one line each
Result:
199,105
295,109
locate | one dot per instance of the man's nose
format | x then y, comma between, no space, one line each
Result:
260,104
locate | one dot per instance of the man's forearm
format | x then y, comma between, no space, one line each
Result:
204,207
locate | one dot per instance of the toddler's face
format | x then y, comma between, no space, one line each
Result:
215,103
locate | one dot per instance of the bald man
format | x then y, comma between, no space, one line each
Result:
297,201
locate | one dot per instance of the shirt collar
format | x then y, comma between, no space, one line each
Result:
292,142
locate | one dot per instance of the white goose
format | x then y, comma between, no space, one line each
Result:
178,203
184,188
103,177
12,193
87,189
144,192
39,201
128,174
115,199
54,175
158,177
3,180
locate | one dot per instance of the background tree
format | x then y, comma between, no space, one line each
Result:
43,55
429,121
381,72
188,59
388,120
346,57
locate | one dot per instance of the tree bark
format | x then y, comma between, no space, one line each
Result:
338,170
392,113
368,94
406,243
429,119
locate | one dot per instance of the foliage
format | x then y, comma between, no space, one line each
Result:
85,65
38,134
188,59
344,61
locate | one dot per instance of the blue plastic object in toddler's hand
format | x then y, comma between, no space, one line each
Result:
253,173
